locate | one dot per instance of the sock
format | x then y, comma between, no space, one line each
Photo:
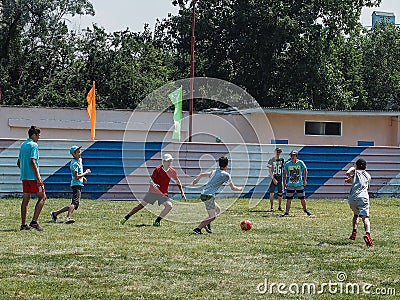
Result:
354,230
158,220
127,217
33,222
367,233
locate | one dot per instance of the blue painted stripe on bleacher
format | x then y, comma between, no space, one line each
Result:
283,142
365,143
322,162
261,187
106,160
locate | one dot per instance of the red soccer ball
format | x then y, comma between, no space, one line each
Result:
246,225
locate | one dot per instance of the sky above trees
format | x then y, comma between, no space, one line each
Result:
120,14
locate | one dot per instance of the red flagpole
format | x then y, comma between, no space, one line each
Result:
192,73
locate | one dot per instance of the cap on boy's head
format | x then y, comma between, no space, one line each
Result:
361,164
73,149
167,157
278,150
294,152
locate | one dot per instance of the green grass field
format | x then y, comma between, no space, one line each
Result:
97,258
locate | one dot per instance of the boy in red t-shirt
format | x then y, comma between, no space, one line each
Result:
158,190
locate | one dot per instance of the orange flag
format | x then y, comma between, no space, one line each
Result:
91,109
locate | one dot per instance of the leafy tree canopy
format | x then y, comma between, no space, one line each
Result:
285,53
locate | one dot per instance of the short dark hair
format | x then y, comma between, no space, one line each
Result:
361,164
223,161
33,130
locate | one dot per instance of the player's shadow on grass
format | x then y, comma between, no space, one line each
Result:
266,211
54,223
258,210
334,243
9,230
271,215
142,225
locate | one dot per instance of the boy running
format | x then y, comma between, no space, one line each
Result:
275,169
359,199
297,171
77,180
218,178
28,162
158,190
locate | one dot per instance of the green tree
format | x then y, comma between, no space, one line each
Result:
43,63
381,52
126,66
35,46
285,53
330,74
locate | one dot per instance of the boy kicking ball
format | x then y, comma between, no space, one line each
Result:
77,180
158,190
359,199
218,178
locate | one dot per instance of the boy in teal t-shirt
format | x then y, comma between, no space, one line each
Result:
77,180
28,163
296,171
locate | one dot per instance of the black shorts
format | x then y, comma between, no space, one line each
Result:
76,195
279,185
151,198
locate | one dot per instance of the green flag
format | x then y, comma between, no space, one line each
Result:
176,99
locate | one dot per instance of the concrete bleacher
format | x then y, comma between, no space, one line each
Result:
121,170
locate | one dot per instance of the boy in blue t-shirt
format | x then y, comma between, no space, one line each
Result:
217,179
77,180
297,171
28,163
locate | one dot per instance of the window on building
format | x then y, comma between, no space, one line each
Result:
323,128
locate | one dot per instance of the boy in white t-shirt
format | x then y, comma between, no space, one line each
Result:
359,199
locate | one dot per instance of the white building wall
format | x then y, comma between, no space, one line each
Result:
112,125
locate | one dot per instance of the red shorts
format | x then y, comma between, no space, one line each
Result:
30,186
